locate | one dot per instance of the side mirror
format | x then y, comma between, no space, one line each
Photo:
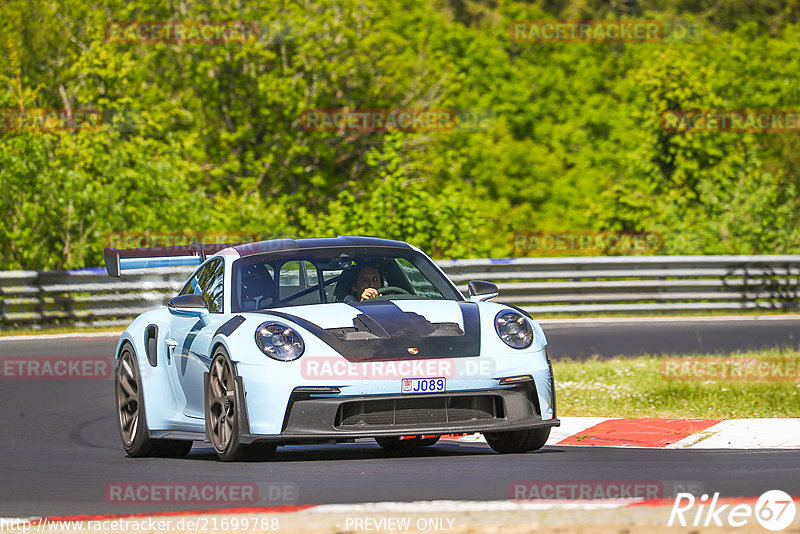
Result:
480,291
192,305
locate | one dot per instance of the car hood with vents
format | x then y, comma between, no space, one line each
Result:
390,330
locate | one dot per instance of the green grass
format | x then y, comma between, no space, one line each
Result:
635,387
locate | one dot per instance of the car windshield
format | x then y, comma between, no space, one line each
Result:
335,275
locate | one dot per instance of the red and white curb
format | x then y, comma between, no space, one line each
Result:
772,433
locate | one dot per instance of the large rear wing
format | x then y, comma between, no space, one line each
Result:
145,258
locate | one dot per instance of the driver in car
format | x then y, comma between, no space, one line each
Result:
367,283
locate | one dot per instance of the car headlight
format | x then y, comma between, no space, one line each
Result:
279,341
513,329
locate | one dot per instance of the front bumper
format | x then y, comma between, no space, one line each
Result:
313,417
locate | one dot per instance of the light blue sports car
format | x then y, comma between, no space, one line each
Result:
325,341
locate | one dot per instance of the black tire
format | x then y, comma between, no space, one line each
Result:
131,419
518,440
394,443
222,410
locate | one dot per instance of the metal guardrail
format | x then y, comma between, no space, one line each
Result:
540,285
89,297
639,283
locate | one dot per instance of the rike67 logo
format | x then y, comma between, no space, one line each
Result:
774,510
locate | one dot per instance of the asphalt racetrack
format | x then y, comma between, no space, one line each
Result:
61,449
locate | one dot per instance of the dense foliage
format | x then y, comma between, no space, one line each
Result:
208,137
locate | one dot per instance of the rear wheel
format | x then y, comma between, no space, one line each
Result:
518,440
131,420
395,443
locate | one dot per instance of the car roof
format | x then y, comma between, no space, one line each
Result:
284,245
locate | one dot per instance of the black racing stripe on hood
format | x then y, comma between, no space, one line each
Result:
397,332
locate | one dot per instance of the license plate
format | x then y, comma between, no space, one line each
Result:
423,385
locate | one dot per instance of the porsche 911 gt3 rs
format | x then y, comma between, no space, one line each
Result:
278,342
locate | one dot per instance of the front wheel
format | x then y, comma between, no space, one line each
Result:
518,440
222,414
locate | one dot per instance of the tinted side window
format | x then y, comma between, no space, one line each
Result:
208,282
255,287
211,281
419,284
296,282
192,286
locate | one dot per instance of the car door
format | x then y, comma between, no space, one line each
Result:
189,338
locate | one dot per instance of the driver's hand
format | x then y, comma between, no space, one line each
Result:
369,293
